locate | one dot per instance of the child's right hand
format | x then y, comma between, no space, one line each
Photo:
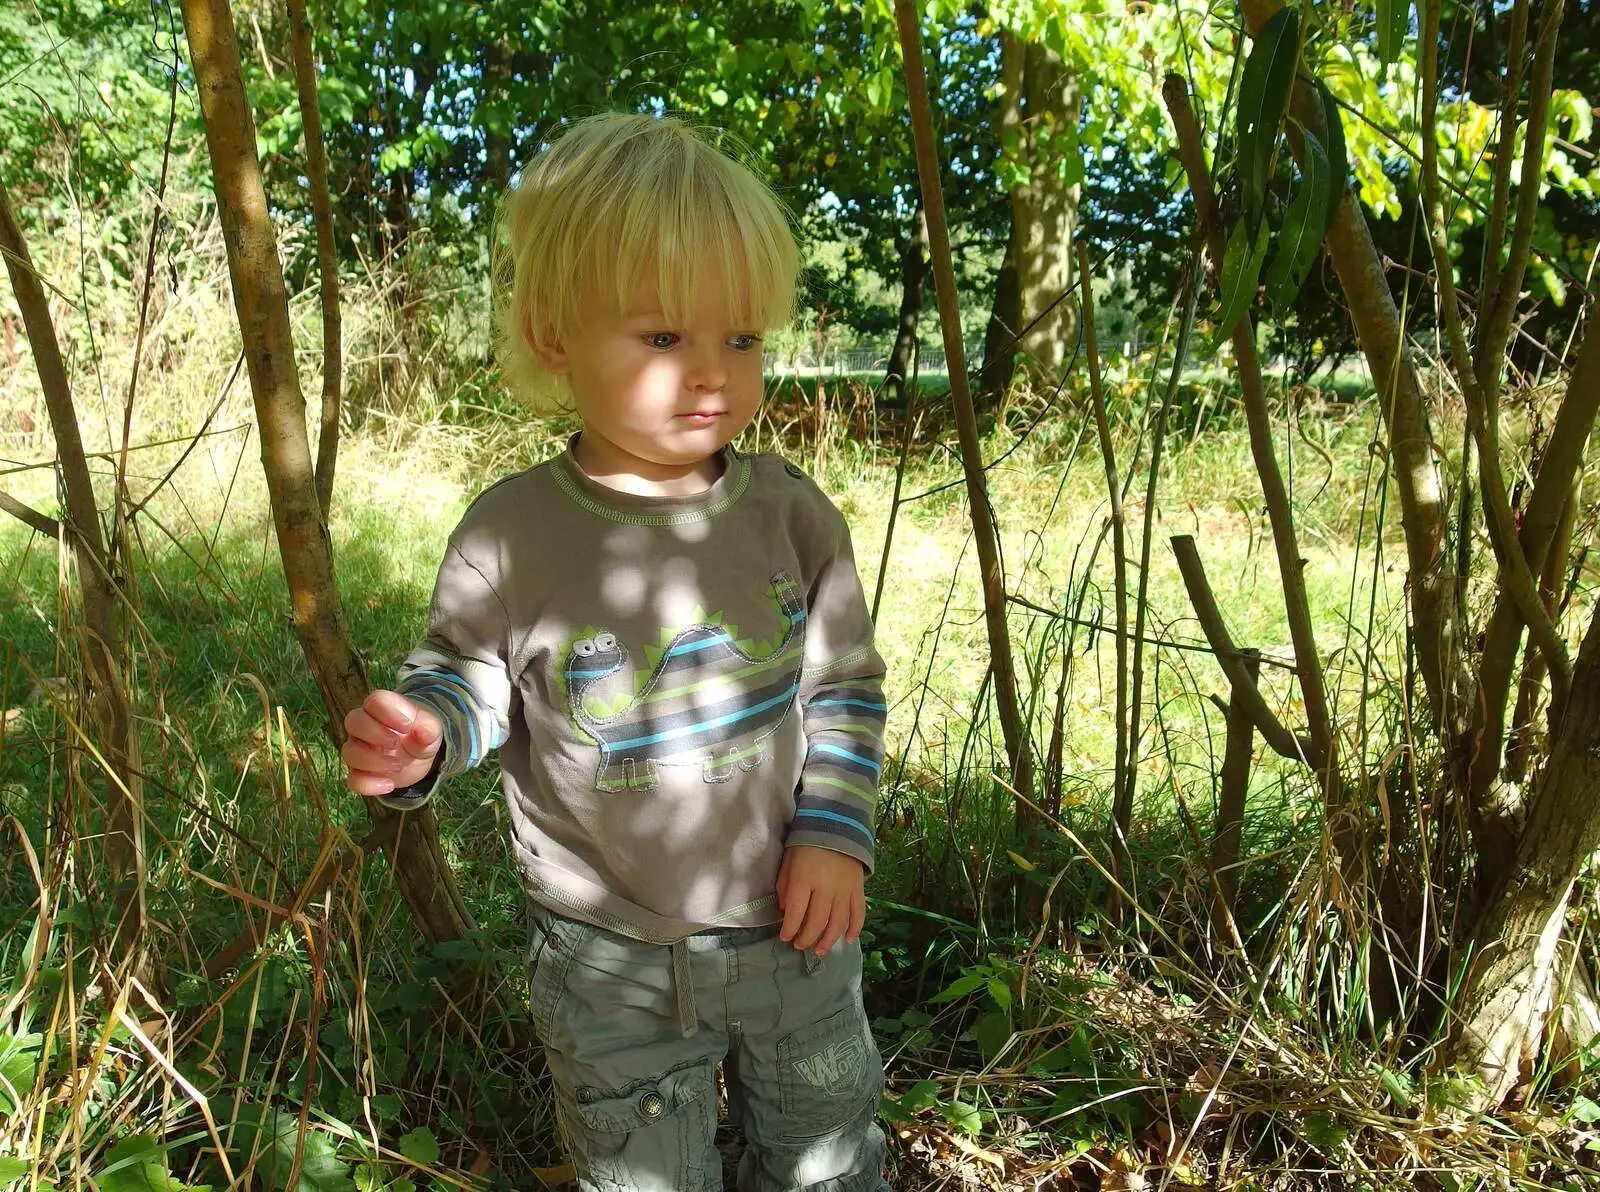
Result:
392,744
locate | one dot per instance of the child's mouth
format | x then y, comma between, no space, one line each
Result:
700,417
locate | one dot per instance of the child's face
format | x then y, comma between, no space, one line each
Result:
658,398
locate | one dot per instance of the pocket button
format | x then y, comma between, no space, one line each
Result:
651,1105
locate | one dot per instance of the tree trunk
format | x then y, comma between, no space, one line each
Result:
1494,812
262,305
1507,988
496,132
1000,336
102,645
913,271
1044,209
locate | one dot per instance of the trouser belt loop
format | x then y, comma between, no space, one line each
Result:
683,985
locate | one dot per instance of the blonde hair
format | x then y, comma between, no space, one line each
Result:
604,202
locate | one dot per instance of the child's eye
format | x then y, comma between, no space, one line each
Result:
743,343
661,340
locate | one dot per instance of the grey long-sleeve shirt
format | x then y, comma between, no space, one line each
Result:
680,688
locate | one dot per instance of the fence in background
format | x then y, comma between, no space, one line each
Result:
930,361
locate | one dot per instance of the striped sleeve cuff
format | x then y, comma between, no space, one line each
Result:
838,793
471,729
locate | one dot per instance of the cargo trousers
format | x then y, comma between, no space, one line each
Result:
634,1032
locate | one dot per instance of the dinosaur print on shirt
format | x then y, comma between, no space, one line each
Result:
708,699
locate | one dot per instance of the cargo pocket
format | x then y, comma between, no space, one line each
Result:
652,1134
829,1074
554,944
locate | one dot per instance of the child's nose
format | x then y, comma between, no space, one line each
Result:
708,371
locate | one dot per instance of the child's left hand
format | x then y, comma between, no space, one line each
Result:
821,894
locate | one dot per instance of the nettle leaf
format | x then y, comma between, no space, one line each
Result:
1241,271
963,1116
922,1095
273,1137
136,1164
1304,226
1263,100
420,1146
1394,20
992,1032
961,987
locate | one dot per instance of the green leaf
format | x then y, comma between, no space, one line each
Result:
1322,1132
922,1095
1400,1087
1000,992
19,1068
1263,100
992,1032
273,1136
717,96
1338,155
963,1116
1241,269
420,1146
961,987
137,1164
1303,228
12,1169
1585,1110
1394,20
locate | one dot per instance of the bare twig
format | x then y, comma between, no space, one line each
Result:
1233,786
29,516
261,301
984,533
1119,545
1123,797
1559,466
1232,660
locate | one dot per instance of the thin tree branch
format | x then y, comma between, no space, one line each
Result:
305,81
1501,302
102,644
1552,487
1231,659
29,516
261,303
1379,329
1505,152
1119,544
984,532
1515,574
1291,568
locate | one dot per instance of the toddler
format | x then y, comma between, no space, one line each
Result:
667,640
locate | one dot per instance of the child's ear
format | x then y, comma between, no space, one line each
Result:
540,335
